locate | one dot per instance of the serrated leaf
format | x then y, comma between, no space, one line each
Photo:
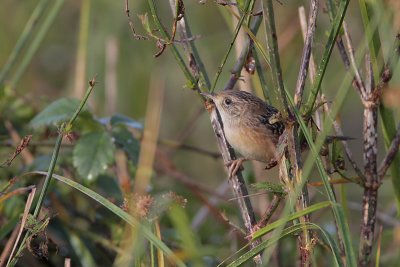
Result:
125,140
58,111
92,154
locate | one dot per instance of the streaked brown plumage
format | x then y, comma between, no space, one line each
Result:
250,125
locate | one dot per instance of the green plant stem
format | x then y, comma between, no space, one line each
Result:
63,130
273,52
236,32
50,171
92,83
37,40
337,24
192,81
203,82
261,76
23,39
370,20
199,61
247,47
337,210
44,189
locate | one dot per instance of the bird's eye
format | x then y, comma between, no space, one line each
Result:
228,101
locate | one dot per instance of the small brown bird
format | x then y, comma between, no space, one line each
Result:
251,126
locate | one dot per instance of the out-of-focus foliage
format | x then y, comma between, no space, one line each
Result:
103,149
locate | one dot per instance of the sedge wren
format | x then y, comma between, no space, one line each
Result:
251,126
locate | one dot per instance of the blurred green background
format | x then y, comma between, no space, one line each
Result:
70,54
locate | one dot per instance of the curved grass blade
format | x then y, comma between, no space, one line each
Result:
118,212
315,158
290,230
291,217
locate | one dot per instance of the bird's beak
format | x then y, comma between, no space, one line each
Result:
208,95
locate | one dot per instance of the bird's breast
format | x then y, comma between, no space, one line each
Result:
253,143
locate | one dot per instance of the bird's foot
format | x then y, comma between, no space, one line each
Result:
271,164
234,166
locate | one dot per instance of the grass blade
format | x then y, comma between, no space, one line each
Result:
118,212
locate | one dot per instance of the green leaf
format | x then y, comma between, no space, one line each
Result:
122,119
58,111
125,140
92,154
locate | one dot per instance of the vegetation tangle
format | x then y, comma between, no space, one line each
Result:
112,153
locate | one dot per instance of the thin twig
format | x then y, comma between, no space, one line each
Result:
270,211
247,47
128,15
193,83
384,218
273,51
390,155
246,12
166,166
359,83
303,26
327,53
349,154
203,212
305,58
331,6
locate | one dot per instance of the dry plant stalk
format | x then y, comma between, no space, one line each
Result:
237,182
372,176
28,205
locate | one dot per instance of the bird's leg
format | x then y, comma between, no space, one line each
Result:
279,151
235,165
